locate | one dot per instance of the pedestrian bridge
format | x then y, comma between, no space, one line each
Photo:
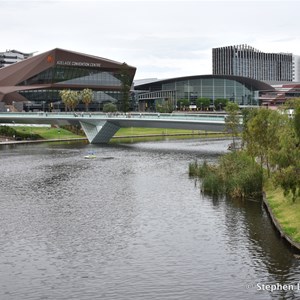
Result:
100,127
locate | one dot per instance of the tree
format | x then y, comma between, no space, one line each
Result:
66,98
232,121
297,121
285,158
125,87
183,103
261,134
165,107
109,107
69,98
203,103
295,105
87,97
272,137
220,103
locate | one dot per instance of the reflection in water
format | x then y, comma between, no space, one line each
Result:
130,225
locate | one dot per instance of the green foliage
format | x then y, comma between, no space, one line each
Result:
69,98
297,122
237,175
232,121
286,159
109,107
271,136
261,134
18,135
203,103
76,129
212,185
183,103
289,180
294,104
7,131
125,88
241,176
86,97
220,103
193,167
165,107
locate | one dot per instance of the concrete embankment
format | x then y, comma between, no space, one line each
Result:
294,245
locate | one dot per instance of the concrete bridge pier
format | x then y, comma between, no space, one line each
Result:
100,132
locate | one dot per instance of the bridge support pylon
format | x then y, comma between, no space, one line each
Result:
100,132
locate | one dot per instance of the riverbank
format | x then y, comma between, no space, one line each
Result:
284,213
123,135
237,176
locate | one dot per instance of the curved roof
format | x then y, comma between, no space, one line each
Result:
12,75
248,82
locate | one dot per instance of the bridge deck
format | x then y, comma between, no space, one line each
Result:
100,127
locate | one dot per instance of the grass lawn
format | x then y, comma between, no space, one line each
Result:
47,132
145,131
286,212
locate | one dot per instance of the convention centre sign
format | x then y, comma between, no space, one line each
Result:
78,64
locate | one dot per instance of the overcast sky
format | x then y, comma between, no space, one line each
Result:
162,39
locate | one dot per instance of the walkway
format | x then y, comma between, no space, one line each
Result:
100,127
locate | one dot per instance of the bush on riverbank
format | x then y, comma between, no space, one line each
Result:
10,132
36,133
236,175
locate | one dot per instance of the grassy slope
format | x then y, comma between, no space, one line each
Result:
286,212
47,132
145,131
55,133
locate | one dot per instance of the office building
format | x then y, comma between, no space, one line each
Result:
246,61
10,57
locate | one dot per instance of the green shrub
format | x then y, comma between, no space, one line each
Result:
237,175
12,133
193,168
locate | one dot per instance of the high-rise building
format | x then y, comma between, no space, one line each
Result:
246,61
296,66
12,56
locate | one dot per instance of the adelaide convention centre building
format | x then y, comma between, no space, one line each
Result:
35,82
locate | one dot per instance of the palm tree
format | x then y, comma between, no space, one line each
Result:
69,98
87,97
74,99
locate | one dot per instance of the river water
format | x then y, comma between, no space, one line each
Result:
131,224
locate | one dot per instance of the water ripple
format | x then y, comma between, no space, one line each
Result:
129,225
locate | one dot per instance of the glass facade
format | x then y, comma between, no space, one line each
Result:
76,79
213,89
74,76
244,60
197,87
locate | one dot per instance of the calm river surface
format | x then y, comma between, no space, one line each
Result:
131,224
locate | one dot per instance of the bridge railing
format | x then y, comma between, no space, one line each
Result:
101,115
